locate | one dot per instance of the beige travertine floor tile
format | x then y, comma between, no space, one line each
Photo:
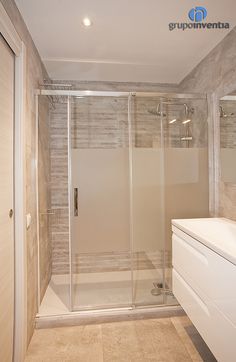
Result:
161,340
192,340
80,344
180,323
146,340
120,342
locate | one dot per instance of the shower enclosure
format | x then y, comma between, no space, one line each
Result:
113,169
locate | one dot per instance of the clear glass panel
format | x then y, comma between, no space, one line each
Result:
148,201
53,204
185,168
170,180
227,141
100,232
44,197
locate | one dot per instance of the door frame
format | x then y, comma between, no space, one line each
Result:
10,35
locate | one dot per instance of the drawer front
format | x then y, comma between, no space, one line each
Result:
217,331
207,272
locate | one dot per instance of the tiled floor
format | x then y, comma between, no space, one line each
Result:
163,340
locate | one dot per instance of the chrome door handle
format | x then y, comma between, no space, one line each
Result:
76,201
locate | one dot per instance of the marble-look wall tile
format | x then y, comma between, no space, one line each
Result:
216,75
119,86
59,188
44,180
102,122
119,261
228,124
228,200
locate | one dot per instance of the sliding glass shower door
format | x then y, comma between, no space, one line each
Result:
100,202
124,165
117,202
136,162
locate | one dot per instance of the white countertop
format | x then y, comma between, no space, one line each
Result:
218,234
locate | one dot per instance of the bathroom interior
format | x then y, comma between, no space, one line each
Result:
129,186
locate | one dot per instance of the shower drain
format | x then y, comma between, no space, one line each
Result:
159,289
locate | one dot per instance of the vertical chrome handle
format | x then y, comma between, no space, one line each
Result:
75,201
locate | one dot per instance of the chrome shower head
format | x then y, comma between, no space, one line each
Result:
157,111
225,115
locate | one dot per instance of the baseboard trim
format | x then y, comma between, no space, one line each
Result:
105,316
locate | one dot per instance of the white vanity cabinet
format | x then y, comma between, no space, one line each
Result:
204,280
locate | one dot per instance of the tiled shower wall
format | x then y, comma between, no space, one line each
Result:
216,75
59,188
228,144
228,125
102,123
95,124
44,190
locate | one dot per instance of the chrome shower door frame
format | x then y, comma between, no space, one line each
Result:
130,95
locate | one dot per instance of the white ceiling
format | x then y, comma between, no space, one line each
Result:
129,40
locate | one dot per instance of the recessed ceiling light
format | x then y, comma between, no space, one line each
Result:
173,121
186,121
87,22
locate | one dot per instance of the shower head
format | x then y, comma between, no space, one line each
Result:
225,115
157,111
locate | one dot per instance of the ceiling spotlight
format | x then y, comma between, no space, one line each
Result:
186,121
172,121
87,22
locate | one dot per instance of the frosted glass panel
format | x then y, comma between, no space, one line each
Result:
103,200
101,230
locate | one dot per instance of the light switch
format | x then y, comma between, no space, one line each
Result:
28,221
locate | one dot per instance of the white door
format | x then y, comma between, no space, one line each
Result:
6,201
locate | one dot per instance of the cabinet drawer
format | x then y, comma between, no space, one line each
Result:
207,272
217,331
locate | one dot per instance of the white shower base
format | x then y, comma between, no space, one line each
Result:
104,290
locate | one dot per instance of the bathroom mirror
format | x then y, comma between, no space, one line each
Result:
227,111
